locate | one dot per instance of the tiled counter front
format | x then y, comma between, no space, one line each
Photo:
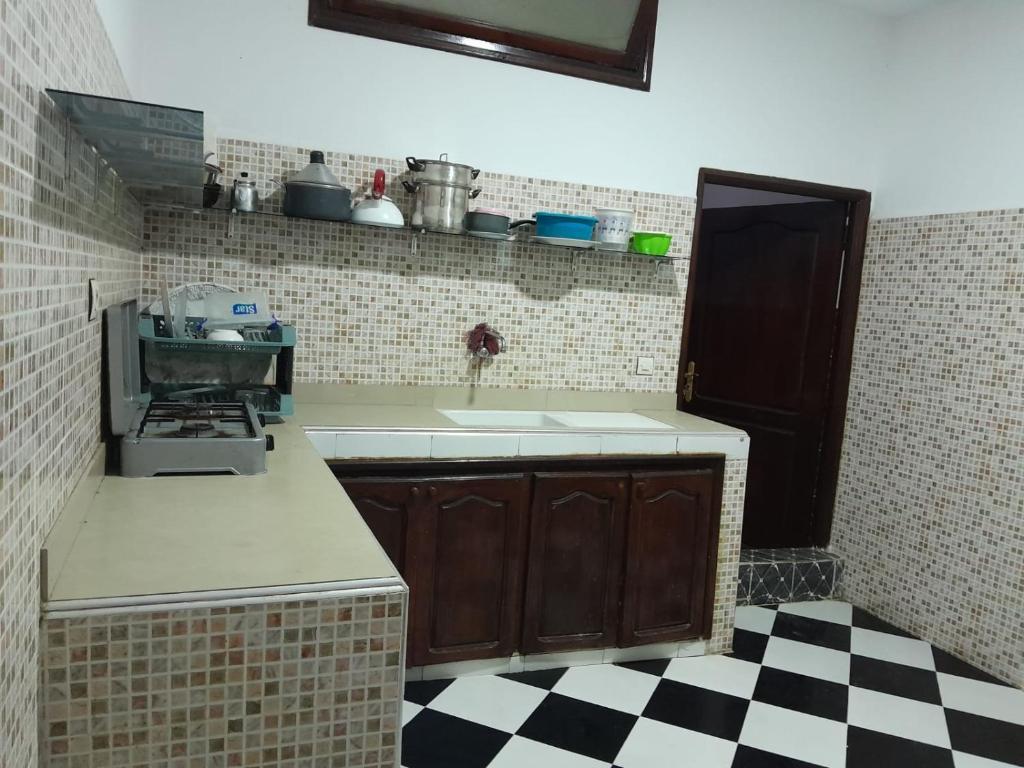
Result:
729,533
302,683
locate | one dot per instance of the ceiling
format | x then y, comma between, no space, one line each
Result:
892,7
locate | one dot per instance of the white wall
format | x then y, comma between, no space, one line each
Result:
957,106
786,88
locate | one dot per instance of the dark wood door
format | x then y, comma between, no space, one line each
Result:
574,562
669,542
386,506
467,578
761,336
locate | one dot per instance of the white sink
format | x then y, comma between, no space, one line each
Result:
521,419
601,420
569,420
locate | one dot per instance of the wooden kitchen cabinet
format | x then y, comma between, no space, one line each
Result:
467,579
545,555
574,561
671,537
386,506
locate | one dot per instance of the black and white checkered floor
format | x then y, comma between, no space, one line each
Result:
809,684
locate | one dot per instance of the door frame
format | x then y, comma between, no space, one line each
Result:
849,297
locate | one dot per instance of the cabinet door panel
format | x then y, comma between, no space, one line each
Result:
470,572
668,542
574,562
385,507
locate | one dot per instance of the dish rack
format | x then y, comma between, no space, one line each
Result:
256,370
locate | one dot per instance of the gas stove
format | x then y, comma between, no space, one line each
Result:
172,433
187,438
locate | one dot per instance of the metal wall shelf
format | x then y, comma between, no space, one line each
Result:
157,151
234,218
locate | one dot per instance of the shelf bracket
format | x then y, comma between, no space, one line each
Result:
231,223
575,262
414,244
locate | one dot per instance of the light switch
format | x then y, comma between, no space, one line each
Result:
94,299
645,366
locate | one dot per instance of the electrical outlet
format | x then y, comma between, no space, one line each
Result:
645,366
94,299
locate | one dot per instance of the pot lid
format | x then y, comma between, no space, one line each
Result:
443,160
316,173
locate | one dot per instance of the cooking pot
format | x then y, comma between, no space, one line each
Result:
211,180
486,221
440,207
315,193
440,171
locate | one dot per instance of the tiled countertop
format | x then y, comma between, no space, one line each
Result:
141,541
375,431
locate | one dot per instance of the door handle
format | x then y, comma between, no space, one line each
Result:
688,380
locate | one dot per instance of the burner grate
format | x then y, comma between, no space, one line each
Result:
196,420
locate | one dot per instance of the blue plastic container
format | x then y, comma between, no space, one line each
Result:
565,225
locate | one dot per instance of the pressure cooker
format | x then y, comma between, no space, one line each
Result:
443,191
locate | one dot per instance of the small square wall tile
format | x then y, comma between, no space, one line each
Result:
207,683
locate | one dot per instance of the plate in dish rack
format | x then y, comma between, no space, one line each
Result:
565,242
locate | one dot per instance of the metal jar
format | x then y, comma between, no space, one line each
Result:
440,207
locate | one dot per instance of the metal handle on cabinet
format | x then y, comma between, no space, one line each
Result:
689,380
415,491
432,491
622,485
639,488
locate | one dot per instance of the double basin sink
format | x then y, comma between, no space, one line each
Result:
579,421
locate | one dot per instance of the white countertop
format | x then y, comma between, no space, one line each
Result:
291,526
137,541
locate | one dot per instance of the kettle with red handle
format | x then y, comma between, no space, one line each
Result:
376,209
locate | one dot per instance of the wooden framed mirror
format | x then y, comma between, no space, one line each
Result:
610,41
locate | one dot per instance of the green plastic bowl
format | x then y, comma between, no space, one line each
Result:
651,243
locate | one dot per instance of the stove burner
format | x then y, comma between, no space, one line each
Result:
195,428
188,420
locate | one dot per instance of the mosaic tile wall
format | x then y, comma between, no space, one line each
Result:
733,491
372,310
930,510
285,684
60,223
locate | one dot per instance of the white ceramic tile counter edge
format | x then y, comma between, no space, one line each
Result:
361,443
